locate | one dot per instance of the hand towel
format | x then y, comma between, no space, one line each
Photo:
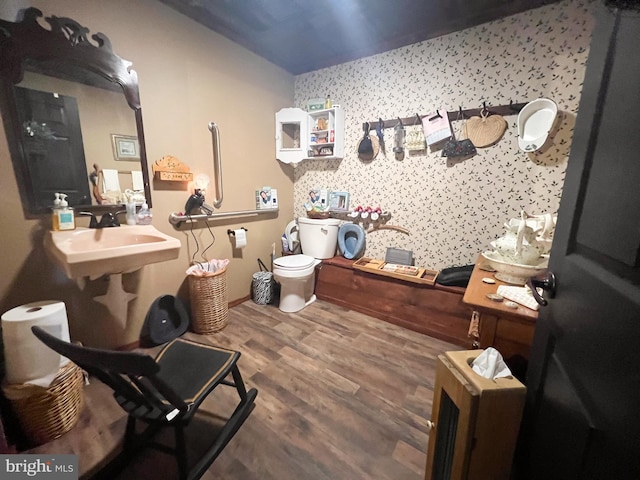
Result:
110,181
136,178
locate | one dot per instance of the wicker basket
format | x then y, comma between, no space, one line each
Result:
47,413
209,304
318,215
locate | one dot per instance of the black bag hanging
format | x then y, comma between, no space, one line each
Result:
263,285
459,148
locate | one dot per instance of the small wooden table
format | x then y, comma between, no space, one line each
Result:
508,330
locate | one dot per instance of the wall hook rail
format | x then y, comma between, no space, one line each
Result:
504,110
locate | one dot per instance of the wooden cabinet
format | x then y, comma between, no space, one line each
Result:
474,421
317,134
508,330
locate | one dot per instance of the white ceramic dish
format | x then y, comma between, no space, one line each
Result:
535,121
512,272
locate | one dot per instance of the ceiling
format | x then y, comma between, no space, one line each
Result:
305,35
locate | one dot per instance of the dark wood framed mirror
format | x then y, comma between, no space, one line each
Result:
68,124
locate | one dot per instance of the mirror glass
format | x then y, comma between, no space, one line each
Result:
72,115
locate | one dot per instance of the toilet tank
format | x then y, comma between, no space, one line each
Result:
318,238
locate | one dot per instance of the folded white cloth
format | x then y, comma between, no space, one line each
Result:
490,364
136,178
110,180
521,295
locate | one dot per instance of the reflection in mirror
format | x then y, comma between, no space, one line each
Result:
69,126
83,118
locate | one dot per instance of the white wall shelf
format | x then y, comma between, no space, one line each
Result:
303,135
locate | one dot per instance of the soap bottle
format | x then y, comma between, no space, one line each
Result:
327,102
131,213
144,215
55,224
63,214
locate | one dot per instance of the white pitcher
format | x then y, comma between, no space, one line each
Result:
519,244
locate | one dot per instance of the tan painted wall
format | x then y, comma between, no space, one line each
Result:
189,76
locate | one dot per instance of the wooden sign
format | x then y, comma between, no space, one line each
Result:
170,169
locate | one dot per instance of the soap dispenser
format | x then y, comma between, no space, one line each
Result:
63,218
55,225
144,215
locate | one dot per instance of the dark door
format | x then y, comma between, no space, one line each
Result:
52,142
582,418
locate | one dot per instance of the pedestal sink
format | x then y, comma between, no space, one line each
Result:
94,252
105,251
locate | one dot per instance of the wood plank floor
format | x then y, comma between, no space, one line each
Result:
341,396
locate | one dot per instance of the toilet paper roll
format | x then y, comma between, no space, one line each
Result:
241,238
27,359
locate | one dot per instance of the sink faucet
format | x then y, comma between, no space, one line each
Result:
109,219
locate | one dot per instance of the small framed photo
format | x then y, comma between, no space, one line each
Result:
125,147
339,201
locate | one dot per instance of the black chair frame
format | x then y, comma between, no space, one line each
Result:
140,389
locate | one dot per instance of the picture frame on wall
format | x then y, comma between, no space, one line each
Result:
339,201
125,148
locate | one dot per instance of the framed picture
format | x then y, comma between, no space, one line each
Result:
125,147
339,201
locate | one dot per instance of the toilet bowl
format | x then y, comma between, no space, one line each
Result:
296,273
296,276
351,240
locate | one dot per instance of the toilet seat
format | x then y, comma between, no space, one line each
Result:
293,263
351,240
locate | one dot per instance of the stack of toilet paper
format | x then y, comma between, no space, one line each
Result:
27,359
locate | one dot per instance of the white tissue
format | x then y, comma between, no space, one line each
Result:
28,360
489,364
241,238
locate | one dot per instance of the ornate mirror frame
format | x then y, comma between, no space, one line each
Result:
26,42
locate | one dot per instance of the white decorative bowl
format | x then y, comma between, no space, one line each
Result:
512,272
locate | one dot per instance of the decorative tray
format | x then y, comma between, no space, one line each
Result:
402,272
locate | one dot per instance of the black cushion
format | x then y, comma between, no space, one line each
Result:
166,319
455,276
181,367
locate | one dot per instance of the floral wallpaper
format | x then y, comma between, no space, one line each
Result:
453,209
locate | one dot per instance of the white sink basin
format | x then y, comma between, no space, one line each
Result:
95,252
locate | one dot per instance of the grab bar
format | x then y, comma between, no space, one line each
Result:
217,163
176,219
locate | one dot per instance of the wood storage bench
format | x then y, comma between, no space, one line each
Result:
434,310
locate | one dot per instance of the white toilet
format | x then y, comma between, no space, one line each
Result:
296,273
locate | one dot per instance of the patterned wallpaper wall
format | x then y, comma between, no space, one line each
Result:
453,209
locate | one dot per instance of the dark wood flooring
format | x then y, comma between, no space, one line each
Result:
341,396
